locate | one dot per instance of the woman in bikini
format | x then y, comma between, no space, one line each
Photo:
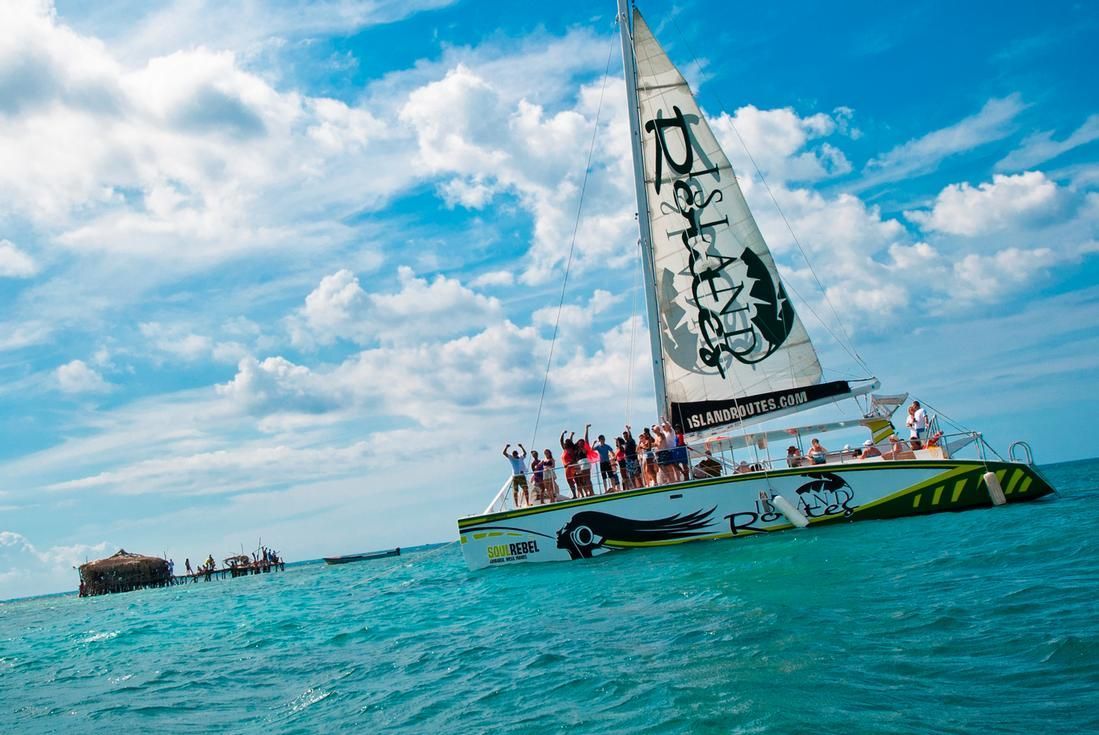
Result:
645,445
549,476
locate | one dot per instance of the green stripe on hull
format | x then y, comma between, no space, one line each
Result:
958,485
951,468
969,491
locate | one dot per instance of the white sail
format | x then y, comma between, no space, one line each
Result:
732,346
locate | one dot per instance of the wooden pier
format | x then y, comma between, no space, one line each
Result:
230,572
126,572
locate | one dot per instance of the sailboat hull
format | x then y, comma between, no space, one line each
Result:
739,506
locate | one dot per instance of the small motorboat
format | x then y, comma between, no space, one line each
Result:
362,557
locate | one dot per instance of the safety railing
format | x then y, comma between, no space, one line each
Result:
1026,450
588,479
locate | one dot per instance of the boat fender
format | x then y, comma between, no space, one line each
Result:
995,492
792,514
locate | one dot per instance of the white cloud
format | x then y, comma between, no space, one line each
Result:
471,193
186,23
18,334
176,164
493,278
27,570
222,471
436,383
14,263
420,310
995,121
1040,147
335,308
77,377
439,307
1007,201
182,158
278,385
175,340
179,341
777,140
575,319
536,155
986,277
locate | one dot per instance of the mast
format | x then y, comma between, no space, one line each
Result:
643,221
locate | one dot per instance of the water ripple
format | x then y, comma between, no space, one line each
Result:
981,621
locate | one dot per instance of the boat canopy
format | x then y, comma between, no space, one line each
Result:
761,440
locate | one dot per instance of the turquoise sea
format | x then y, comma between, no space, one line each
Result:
977,622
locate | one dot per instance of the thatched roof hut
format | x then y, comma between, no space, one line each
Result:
123,572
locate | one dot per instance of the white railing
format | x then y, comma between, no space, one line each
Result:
499,503
589,477
1026,450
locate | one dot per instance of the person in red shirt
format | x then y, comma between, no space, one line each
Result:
568,459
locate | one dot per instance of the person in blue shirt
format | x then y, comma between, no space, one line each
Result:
606,467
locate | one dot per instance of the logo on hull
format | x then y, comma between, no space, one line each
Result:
825,494
590,530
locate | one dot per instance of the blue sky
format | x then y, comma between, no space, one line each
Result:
290,271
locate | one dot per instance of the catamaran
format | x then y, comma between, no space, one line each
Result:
729,353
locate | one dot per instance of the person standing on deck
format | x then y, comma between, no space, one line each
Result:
620,461
665,444
549,476
568,460
919,420
647,446
633,467
681,454
518,474
584,455
537,467
607,475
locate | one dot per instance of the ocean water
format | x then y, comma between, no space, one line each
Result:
985,621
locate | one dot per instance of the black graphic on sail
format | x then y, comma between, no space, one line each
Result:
723,323
774,317
589,530
824,495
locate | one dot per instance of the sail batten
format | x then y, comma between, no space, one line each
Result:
728,332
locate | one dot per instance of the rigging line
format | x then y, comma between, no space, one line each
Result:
572,245
633,338
850,346
956,423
